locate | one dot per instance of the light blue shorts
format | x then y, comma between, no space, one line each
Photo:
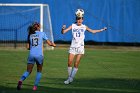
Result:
32,59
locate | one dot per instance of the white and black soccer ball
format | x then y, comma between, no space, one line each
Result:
79,13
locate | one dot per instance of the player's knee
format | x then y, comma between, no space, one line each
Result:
69,63
39,68
76,65
30,71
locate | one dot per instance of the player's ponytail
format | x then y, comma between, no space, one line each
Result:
30,31
32,28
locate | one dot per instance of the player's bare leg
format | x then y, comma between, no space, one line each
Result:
25,75
75,69
70,61
77,61
30,67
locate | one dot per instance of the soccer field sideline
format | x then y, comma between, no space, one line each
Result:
66,46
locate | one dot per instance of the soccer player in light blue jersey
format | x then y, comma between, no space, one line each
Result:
35,45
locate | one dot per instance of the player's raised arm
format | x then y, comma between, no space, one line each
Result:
95,31
64,29
50,43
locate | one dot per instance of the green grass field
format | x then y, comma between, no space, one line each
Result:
100,71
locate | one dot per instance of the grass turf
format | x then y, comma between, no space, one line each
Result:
100,71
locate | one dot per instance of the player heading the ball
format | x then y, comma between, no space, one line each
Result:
77,44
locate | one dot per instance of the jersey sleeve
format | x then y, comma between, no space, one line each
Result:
72,25
85,27
45,36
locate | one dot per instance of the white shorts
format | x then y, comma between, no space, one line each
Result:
77,50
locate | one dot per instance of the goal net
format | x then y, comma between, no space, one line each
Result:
15,19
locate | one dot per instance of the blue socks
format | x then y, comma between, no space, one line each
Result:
38,77
24,76
37,80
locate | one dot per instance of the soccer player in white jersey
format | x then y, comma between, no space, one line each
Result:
77,45
35,45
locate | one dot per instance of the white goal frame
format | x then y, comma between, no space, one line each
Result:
41,13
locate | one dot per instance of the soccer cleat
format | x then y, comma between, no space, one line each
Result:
19,85
35,88
68,81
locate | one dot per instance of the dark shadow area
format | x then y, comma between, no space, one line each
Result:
101,85
119,84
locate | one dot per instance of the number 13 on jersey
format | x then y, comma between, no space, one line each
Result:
34,41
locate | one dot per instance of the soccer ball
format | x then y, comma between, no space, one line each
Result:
79,13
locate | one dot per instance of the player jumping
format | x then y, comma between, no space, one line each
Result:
77,44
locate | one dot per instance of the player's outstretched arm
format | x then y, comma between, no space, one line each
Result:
64,29
96,31
50,43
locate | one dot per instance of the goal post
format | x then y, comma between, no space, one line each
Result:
19,17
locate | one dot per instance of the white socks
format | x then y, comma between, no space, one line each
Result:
71,72
74,71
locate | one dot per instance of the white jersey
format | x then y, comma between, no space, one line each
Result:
78,33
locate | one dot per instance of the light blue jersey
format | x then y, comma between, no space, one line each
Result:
36,47
36,43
